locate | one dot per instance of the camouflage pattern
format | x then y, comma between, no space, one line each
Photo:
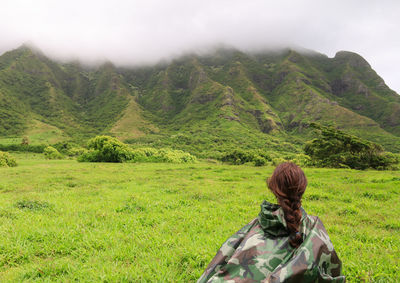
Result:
260,252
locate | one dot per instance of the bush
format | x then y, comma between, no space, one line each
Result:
52,153
278,160
6,160
162,155
335,148
145,155
76,151
264,155
176,156
23,148
259,161
69,148
106,149
301,160
238,157
109,149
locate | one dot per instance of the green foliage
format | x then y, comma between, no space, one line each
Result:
23,148
69,148
52,153
162,155
106,149
205,105
335,148
238,157
278,160
6,160
300,159
109,149
259,161
25,141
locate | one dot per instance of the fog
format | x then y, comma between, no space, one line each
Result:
144,32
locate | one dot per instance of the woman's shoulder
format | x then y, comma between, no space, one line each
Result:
310,223
313,225
314,258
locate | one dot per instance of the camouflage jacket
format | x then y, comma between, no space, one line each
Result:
260,252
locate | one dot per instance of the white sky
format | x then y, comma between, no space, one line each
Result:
137,32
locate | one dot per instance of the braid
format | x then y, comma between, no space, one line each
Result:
292,214
288,183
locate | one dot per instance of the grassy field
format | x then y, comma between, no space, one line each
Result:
69,221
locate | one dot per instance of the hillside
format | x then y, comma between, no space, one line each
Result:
203,104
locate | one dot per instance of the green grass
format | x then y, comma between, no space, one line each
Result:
66,221
10,140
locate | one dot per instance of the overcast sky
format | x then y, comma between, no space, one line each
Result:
136,32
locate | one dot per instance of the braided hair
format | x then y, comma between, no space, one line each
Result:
288,184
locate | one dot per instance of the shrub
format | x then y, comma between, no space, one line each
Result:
278,160
162,155
6,160
69,148
23,147
109,149
302,160
106,149
264,155
176,156
259,161
52,153
238,157
334,148
75,151
145,155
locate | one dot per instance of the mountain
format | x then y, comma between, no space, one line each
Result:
204,104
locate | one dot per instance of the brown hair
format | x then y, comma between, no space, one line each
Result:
288,184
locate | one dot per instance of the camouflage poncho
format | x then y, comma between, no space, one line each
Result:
260,252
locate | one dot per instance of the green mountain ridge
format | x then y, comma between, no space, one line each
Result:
204,104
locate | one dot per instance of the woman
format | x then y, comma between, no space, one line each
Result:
283,244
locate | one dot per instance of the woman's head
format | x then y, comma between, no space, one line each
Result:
288,181
288,184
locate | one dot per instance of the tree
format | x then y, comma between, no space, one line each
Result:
106,149
25,141
334,148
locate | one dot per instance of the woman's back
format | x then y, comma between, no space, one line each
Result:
283,244
261,251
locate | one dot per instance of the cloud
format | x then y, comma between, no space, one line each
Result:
137,32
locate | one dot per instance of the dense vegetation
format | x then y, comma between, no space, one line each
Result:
240,157
64,221
106,149
52,153
6,160
206,105
334,148
109,149
162,155
23,148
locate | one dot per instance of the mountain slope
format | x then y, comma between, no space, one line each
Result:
226,99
